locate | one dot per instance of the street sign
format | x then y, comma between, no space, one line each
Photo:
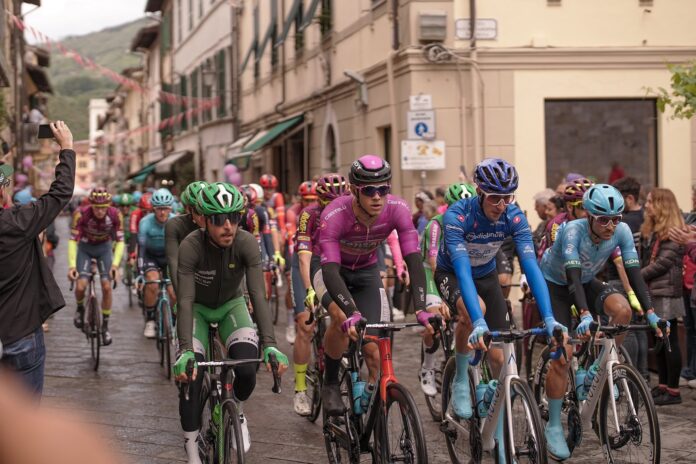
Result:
486,29
421,102
421,125
421,155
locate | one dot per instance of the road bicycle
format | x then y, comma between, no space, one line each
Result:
220,439
272,280
128,281
315,368
445,340
508,399
165,333
391,418
624,420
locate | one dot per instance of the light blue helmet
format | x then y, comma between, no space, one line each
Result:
136,196
162,198
603,200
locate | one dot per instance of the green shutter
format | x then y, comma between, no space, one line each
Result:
183,107
309,17
295,9
222,84
166,33
165,111
269,31
195,95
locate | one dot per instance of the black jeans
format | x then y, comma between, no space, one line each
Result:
689,371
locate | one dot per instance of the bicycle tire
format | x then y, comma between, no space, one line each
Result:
159,331
336,453
167,339
411,439
463,446
314,379
630,385
232,429
533,446
94,320
206,443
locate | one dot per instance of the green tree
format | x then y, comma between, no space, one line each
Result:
682,97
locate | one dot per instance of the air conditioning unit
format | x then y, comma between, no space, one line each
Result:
432,26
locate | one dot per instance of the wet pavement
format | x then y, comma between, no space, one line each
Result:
135,406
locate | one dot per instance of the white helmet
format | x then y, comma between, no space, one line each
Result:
259,191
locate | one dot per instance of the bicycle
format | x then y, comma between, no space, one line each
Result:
444,339
315,369
164,326
347,436
270,274
601,410
220,439
512,399
92,327
128,281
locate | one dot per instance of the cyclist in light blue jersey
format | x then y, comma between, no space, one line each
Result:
570,266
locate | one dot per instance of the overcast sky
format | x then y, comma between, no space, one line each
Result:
60,18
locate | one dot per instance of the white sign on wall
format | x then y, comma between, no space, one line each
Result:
422,155
486,29
420,102
421,125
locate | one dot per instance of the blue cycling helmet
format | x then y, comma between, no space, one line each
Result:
495,175
162,198
23,197
603,200
116,200
136,196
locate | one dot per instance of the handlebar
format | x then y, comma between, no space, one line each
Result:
189,374
509,336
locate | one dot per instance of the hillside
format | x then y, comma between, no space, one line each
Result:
73,86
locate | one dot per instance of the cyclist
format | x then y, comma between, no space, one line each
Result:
430,245
144,208
275,201
466,275
126,206
251,223
94,229
152,257
212,265
270,241
180,226
348,285
570,266
305,264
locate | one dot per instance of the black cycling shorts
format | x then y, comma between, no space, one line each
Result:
503,264
153,263
596,293
488,289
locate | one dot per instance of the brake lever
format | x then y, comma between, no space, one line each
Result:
274,369
662,324
557,336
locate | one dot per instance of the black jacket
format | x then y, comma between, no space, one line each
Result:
664,274
28,291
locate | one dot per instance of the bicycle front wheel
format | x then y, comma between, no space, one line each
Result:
313,379
94,323
167,340
637,439
405,441
232,429
528,442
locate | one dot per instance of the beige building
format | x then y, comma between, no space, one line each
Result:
84,167
551,85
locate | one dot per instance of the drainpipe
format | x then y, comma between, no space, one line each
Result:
475,90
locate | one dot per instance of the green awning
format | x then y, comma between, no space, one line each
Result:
140,176
272,134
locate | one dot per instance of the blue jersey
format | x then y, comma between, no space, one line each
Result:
151,236
574,248
471,241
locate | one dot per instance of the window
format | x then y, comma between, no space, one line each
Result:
274,37
331,149
190,12
195,95
82,164
207,115
257,58
185,104
180,13
221,84
165,111
299,32
166,32
200,9
325,19
589,136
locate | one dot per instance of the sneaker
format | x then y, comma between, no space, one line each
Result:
461,399
691,383
149,331
667,398
106,335
245,432
290,333
427,378
79,318
398,315
658,391
556,442
331,399
301,404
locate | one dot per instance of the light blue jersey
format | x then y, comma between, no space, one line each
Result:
574,248
151,235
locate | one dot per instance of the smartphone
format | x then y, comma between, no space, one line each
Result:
45,131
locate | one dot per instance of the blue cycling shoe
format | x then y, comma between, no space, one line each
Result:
556,442
461,399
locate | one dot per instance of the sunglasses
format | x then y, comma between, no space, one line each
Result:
606,220
163,208
497,200
576,204
221,218
372,190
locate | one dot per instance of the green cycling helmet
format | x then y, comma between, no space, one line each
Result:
456,192
190,195
220,197
127,199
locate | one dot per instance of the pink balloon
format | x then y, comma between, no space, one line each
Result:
27,162
21,179
229,169
235,179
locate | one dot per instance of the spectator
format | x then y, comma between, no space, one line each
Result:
554,207
662,270
689,371
541,201
616,173
440,199
419,221
29,293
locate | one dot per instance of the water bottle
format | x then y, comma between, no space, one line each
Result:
481,405
591,372
580,390
217,414
358,389
367,396
490,392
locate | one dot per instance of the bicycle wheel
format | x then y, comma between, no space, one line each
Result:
206,442
637,439
525,422
340,434
232,429
461,435
314,378
403,434
160,339
167,339
94,324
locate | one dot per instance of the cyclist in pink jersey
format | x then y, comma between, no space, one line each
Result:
351,229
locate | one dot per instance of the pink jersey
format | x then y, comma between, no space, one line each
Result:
344,240
88,229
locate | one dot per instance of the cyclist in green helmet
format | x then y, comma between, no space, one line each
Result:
180,226
430,244
213,263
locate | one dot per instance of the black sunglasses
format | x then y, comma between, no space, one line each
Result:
221,218
372,190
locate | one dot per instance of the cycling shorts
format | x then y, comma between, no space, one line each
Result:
503,264
297,287
432,296
152,263
101,252
596,293
487,287
365,286
234,325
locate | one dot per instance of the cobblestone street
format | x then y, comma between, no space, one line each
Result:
137,408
